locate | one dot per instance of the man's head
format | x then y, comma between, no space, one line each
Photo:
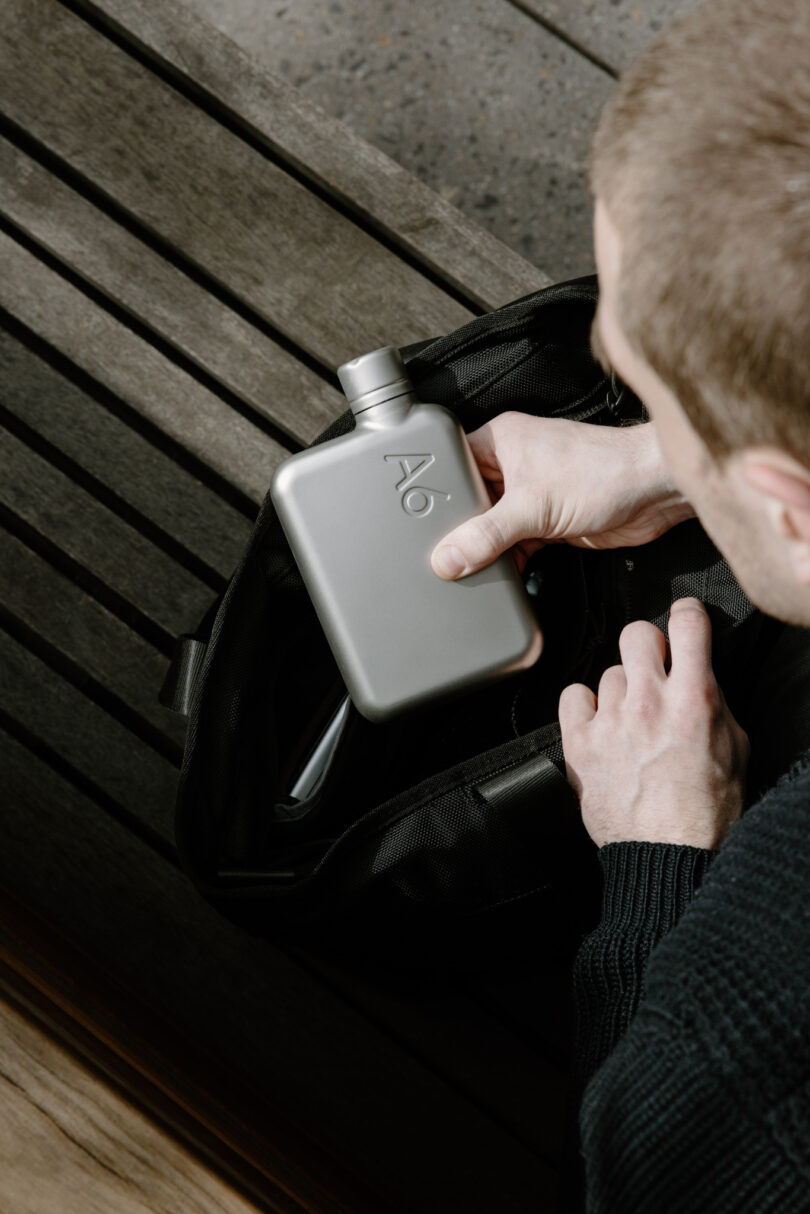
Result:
701,173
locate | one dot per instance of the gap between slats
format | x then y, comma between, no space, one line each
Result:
232,122
261,420
136,421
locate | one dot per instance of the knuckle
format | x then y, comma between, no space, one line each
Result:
504,423
491,531
638,628
572,700
643,707
570,694
692,616
689,600
524,506
612,678
700,694
612,673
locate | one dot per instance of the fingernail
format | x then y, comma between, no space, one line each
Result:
449,562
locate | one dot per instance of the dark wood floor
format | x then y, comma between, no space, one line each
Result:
188,249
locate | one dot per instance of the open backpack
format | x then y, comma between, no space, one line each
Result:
454,824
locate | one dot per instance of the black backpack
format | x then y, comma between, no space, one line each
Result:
453,825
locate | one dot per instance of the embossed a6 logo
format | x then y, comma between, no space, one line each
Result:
417,500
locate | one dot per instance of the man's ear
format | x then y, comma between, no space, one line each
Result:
787,485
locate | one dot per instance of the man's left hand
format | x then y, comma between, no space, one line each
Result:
656,756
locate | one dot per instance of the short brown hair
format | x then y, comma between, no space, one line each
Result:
702,160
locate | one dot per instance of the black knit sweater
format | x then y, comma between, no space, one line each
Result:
692,1002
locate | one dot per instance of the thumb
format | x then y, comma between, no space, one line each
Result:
477,542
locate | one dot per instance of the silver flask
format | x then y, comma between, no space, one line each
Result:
362,514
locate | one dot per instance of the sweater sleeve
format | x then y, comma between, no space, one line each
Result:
646,887
704,1103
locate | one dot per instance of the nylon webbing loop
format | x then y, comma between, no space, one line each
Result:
178,686
537,793
534,777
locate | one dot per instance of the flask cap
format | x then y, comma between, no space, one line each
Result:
373,378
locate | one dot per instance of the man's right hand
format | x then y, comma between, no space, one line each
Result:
555,481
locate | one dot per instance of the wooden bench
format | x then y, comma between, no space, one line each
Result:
188,249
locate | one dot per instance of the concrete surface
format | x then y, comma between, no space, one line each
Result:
613,31
478,98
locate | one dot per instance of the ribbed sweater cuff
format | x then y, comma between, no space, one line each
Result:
647,886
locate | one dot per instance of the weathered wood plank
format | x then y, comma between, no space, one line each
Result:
202,1104
284,251
480,101
456,1034
367,1100
137,779
86,634
220,341
123,461
614,33
449,1032
102,1153
149,383
537,1005
382,193
109,548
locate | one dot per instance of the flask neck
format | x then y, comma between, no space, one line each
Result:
387,413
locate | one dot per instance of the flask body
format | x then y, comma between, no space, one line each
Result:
362,514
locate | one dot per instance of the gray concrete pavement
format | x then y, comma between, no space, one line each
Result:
476,97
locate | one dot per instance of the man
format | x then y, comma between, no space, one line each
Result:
693,993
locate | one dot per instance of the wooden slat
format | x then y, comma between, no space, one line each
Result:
91,741
221,342
367,1100
327,1055
323,281
460,1040
383,194
452,1034
120,459
535,1004
147,381
203,1103
109,548
89,636
455,1036
102,1153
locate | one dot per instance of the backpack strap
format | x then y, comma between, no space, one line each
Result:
535,790
178,687
187,658
527,782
